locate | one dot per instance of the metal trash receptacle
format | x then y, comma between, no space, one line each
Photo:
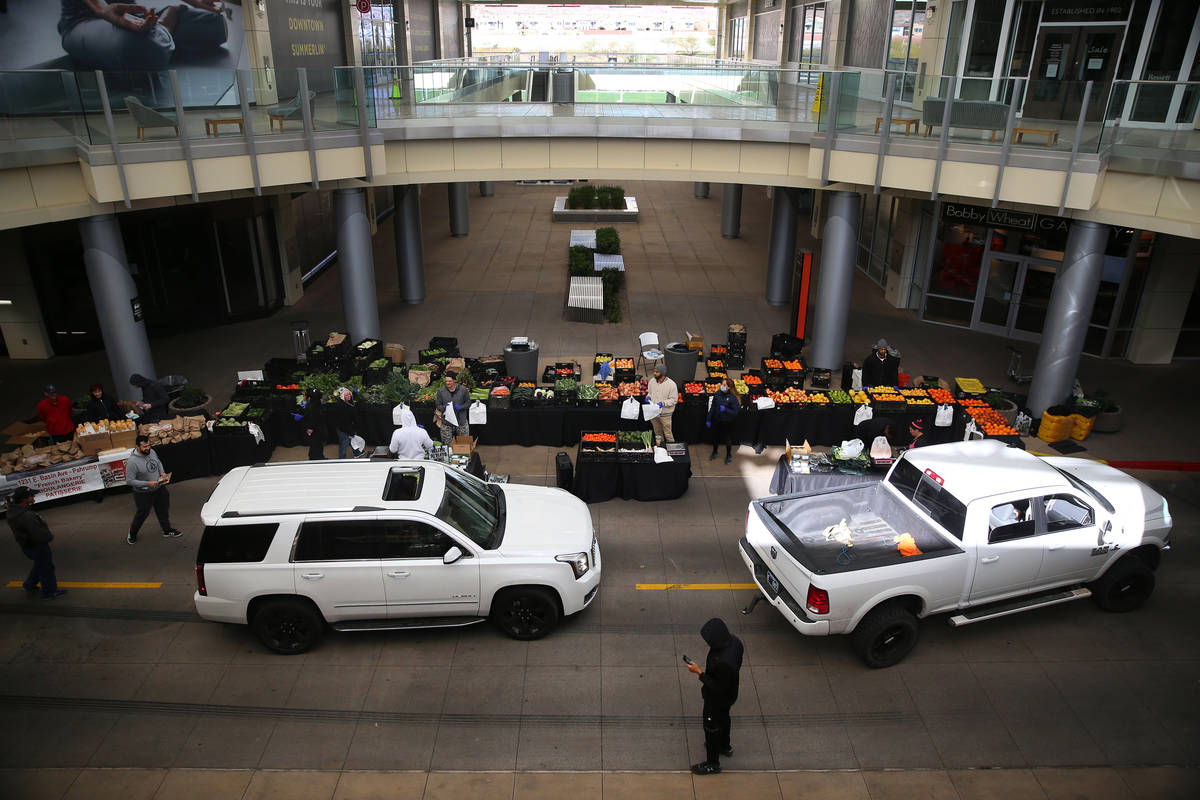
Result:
680,363
564,471
300,340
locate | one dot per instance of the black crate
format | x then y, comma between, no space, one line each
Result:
372,350
735,362
340,348
820,379
738,337
786,345
450,343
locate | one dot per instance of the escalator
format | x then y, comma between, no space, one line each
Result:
539,90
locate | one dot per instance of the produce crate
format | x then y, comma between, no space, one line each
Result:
736,334
566,398
433,354
373,376
599,358
337,343
318,357
369,349
890,407
449,343
500,400
280,370
820,379
230,428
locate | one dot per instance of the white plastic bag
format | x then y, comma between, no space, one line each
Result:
661,456
880,448
650,411
449,417
477,413
357,444
629,409
398,415
945,416
856,379
764,403
863,414
851,448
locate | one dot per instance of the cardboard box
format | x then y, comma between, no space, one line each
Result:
24,429
123,439
693,342
93,443
395,352
798,449
463,445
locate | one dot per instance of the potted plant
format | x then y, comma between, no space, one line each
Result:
1111,418
1003,405
190,400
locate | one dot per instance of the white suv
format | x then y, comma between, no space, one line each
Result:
361,545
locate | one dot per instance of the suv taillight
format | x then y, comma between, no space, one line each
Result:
200,581
818,600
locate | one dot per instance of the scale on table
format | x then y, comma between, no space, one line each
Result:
519,343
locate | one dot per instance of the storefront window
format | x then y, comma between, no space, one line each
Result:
737,37
904,45
1188,343
958,14
957,258
1164,60
1024,38
983,46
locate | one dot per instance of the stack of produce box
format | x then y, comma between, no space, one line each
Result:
735,349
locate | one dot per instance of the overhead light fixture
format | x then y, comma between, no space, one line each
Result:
5,302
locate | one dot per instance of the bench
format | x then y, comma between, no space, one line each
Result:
978,114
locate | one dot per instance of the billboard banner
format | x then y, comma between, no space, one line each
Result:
306,33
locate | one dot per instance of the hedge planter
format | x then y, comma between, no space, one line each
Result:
1109,421
564,214
1006,409
189,410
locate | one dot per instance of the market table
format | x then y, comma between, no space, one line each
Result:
231,450
191,458
597,481
784,481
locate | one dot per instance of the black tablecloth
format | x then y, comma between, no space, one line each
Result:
784,481
596,482
237,450
191,458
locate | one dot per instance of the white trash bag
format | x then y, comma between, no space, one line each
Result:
863,414
357,444
477,413
630,409
856,379
449,417
945,416
851,448
764,403
650,411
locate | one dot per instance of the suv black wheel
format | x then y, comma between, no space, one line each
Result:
287,626
525,614
885,636
1126,585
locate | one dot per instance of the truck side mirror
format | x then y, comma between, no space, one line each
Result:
452,555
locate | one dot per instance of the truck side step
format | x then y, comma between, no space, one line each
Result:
1017,606
414,623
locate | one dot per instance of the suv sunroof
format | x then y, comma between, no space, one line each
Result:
404,484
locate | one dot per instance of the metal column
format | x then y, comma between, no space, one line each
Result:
700,190
487,188
356,263
781,250
117,306
1067,315
836,280
731,211
460,215
410,253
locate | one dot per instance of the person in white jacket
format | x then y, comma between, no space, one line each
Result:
663,391
409,440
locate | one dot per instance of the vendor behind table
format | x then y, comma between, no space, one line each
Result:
881,367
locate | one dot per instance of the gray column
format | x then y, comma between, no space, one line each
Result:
781,250
731,211
700,190
838,248
1067,315
460,216
410,252
114,292
487,188
356,264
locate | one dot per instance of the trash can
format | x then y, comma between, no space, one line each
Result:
522,364
681,363
564,471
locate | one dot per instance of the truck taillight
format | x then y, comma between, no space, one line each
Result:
818,600
200,581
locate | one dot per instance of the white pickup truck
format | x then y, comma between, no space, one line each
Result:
974,528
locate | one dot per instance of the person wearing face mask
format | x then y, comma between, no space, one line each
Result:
881,368
722,412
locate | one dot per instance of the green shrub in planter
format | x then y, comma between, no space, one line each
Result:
608,242
191,397
613,280
610,197
612,307
583,196
580,262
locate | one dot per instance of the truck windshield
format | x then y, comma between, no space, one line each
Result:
471,509
1084,486
928,495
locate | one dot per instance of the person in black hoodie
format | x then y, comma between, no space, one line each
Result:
100,405
719,688
313,421
154,397
343,414
33,537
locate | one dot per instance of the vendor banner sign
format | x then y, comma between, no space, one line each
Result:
1002,218
54,484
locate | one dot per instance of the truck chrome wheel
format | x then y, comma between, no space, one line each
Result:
526,614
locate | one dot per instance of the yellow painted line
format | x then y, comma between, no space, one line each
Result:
101,584
659,587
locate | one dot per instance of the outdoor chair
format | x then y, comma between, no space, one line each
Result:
648,351
289,110
147,117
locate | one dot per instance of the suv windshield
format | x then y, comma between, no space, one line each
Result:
470,508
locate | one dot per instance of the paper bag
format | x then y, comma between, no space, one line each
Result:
863,414
650,411
477,413
629,409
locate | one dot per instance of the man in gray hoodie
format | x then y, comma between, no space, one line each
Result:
33,536
144,474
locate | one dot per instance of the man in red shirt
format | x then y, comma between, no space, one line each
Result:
55,412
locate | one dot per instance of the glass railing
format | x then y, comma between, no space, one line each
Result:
39,106
1154,115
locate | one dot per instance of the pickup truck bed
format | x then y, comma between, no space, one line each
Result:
798,522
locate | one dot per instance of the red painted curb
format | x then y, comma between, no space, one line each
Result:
1169,466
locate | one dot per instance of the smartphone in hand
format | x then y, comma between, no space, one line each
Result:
686,660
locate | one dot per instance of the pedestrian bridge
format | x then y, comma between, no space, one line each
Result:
75,144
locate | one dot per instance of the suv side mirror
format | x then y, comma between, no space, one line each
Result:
452,555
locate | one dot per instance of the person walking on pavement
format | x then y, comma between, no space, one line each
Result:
34,537
54,410
719,688
722,411
144,474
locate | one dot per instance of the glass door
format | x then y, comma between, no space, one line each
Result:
1065,58
996,307
1014,295
1035,281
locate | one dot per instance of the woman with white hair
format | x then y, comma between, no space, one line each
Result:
344,419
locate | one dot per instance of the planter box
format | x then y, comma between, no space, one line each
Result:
564,214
